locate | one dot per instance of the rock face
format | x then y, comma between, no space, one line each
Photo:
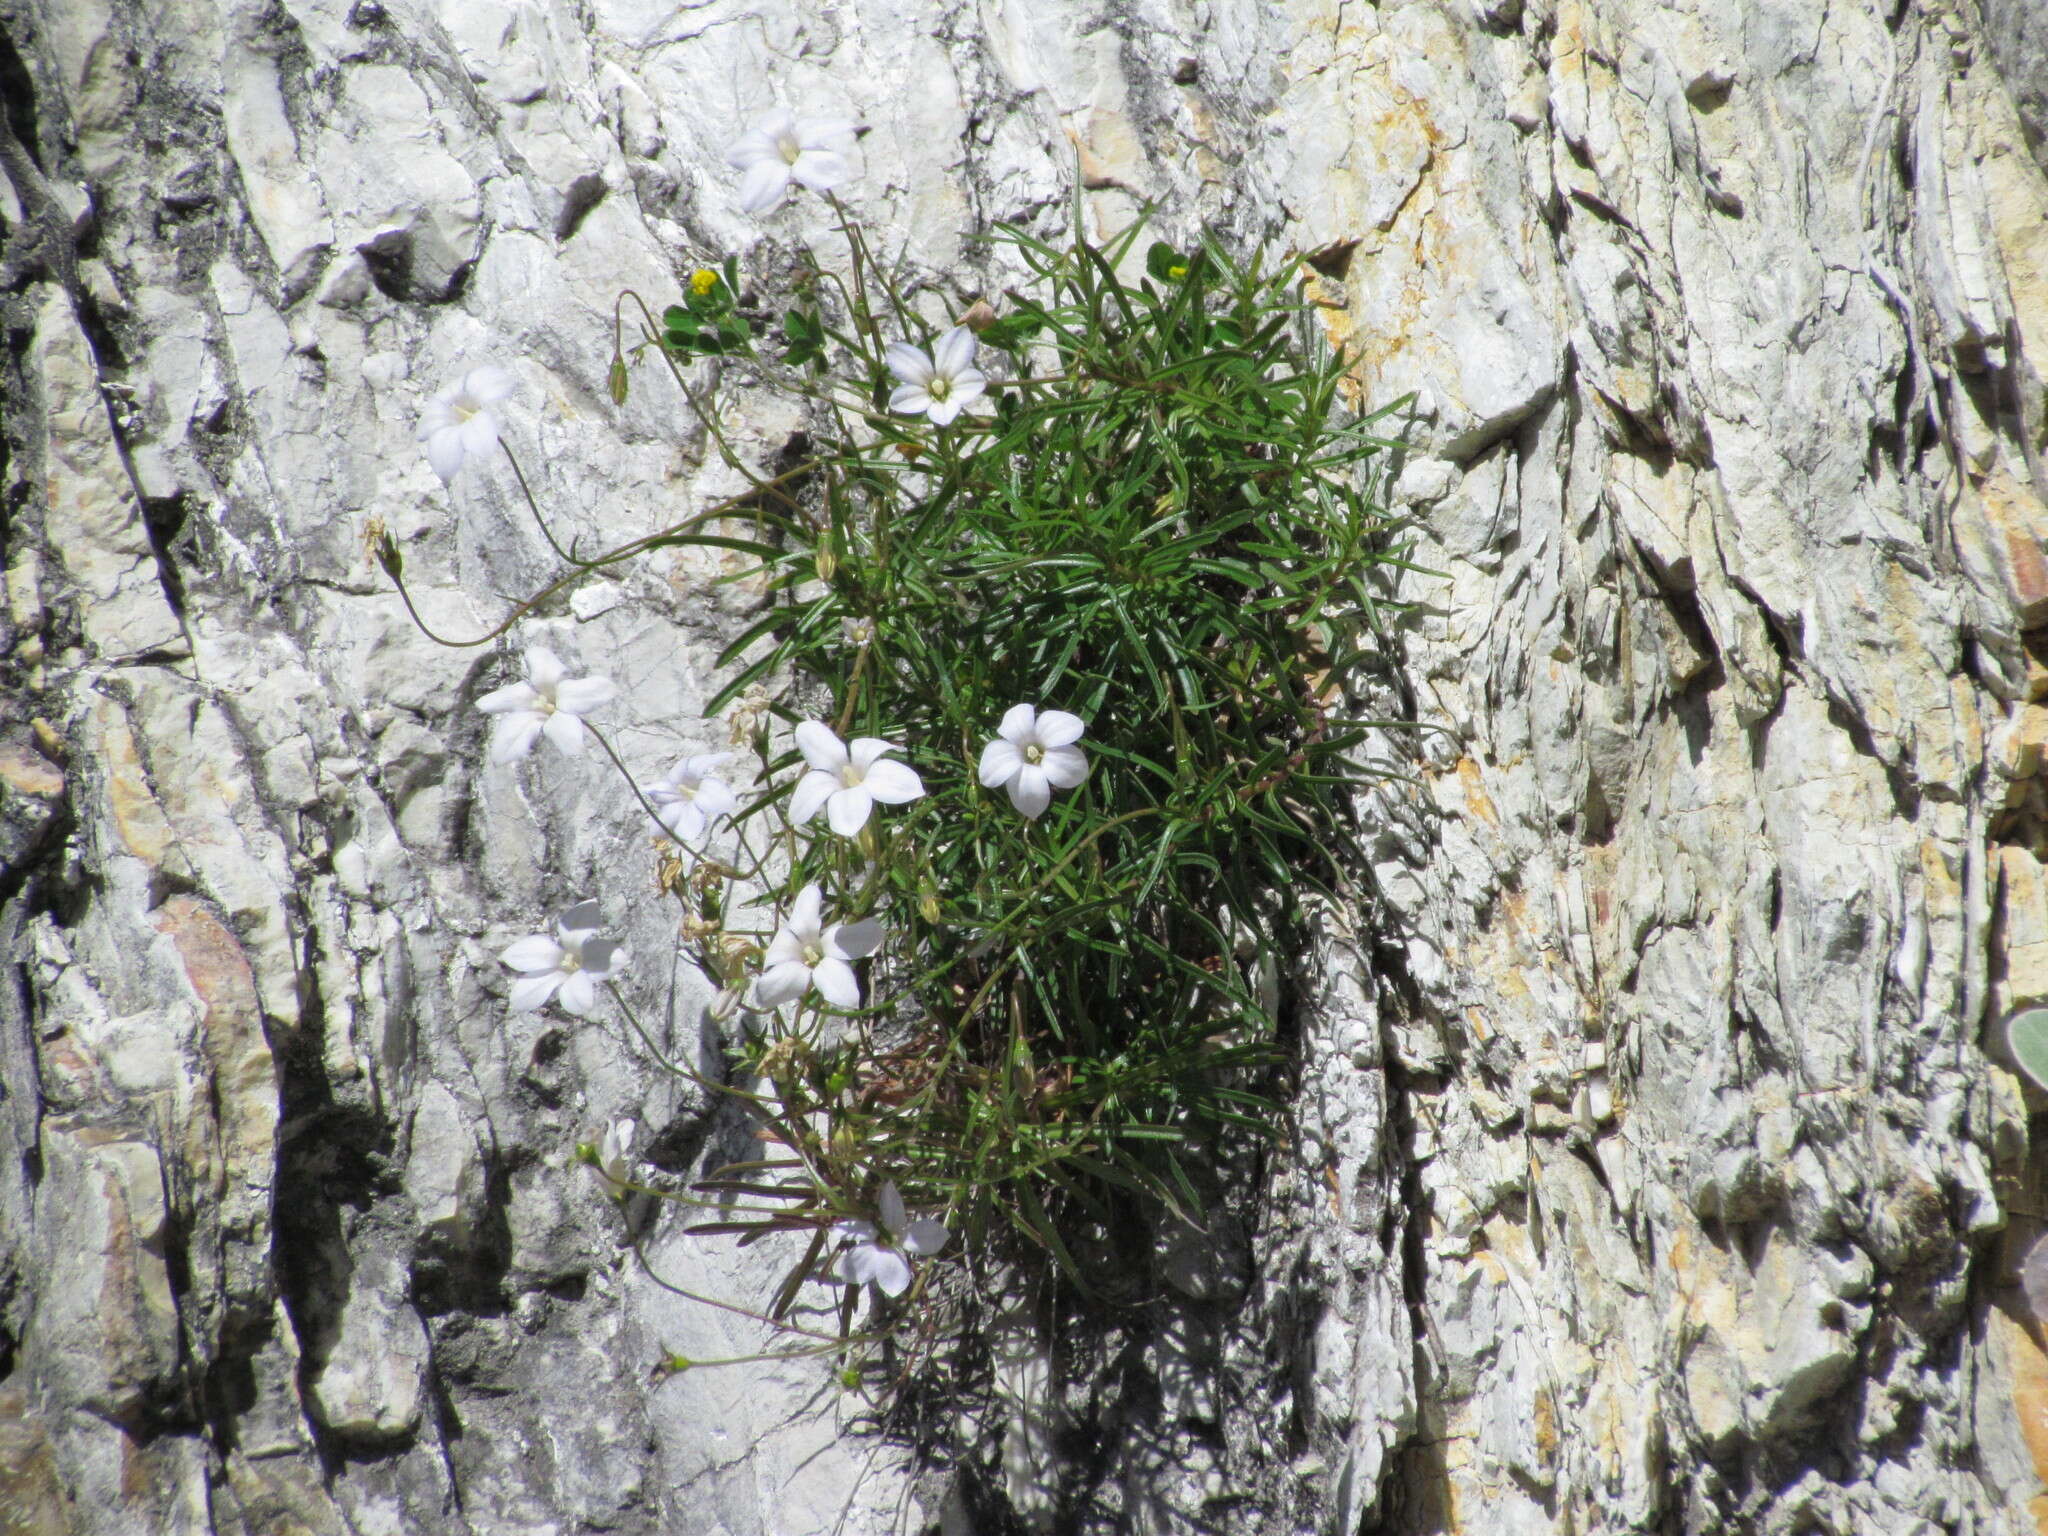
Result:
1656,1165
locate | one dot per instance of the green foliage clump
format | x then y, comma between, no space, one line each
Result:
1167,526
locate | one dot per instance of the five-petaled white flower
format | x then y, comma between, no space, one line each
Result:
847,781
614,1165
783,148
457,423
877,1255
1034,754
572,963
545,703
688,798
939,384
806,952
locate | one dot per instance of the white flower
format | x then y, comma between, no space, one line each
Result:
614,1166
456,424
848,781
1034,754
573,962
688,798
783,148
545,703
806,953
940,384
875,1256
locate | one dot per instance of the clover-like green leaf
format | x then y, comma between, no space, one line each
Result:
2026,1036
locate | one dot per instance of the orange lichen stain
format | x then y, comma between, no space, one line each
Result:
1476,798
1544,1428
137,816
2029,1375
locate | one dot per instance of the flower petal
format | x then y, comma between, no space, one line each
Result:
1057,728
858,1265
603,959
1018,721
848,809
822,169
910,400
890,1271
529,992
479,433
821,746
825,132
967,390
534,955
913,365
764,184
836,983
750,149
488,384
444,452
579,994
894,1216
866,749
784,949
852,941
515,737
807,912
565,731
953,351
684,820
1000,761
893,783
1029,791
580,917
781,984
1065,767
812,791
579,696
943,411
924,1237
544,668
511,696
715,798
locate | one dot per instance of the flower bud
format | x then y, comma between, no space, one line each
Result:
979,317
825,563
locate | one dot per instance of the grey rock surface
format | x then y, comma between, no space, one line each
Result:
1656,1165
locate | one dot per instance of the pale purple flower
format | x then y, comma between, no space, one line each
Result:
545,704
939,384
877,1254
457,422
1034,754
688,798
783,148
847,781
614,1165
806,952
567,967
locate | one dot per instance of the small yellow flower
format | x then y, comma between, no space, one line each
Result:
702,281
1177,272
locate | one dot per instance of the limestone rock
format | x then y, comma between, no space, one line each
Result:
1652,1160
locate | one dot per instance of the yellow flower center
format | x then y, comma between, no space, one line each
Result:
940,387
1034,754
788,148
814,952
850,776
